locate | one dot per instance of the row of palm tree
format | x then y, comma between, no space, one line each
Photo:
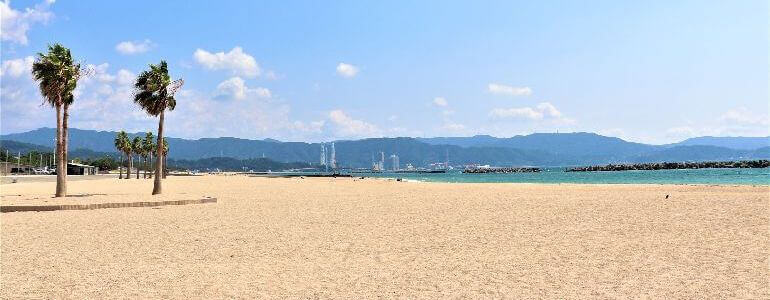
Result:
144,148
57,74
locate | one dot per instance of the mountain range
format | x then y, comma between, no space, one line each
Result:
538,149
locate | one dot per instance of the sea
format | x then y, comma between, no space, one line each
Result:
557,175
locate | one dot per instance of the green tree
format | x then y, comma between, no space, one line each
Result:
137,147
149,147
58,74
122,145
155,94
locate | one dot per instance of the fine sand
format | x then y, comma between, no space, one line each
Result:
350,238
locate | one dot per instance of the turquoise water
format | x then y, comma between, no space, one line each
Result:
689,176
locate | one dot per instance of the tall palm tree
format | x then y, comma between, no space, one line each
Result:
155,94
165,153
149,147
137,148
121,143
58,76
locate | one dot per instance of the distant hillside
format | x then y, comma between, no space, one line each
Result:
233,164
14,147
540,149
700,153
580,144
742,143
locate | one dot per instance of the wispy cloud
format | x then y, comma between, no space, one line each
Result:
14,24
440,101
133,47
347,70
346,126
501,89
236,88
17,67
542,111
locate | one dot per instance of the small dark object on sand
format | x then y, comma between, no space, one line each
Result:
398,179
666,196
362,177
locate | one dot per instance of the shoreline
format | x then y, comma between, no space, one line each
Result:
6,179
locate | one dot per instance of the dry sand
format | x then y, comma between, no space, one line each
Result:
344,238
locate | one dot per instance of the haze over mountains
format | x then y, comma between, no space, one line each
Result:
539,149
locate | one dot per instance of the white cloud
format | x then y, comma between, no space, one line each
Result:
542,111
345,126
347,70
440,101
125,77
133,47
236,88
496,88
743,116
237,61
454,127
517,113
739,121
548,110
17,67
14,24
309,127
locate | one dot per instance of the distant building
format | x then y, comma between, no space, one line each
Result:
81,169
333,162
10,168
396,166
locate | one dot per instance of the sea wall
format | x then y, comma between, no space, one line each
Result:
675,165
501,170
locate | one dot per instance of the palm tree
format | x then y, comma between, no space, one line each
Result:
165,153
155,94
137,148
58,75
121,142
148,146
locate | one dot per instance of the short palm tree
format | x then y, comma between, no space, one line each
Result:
137,147
149,147
155,94
121,144
58,75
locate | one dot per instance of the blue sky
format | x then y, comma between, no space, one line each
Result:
647,71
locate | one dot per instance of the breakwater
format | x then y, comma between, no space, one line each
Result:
675,165
501,170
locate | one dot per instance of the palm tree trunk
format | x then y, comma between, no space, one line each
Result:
130,161
150,165
120,168
137,168
165,170
144,165
61,166
156,189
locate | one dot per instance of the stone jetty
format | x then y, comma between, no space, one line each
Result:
675,165
501,170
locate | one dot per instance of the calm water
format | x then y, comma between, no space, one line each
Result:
697,176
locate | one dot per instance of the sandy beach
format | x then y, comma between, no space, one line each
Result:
352,238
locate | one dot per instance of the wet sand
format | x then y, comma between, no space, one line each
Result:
349,238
